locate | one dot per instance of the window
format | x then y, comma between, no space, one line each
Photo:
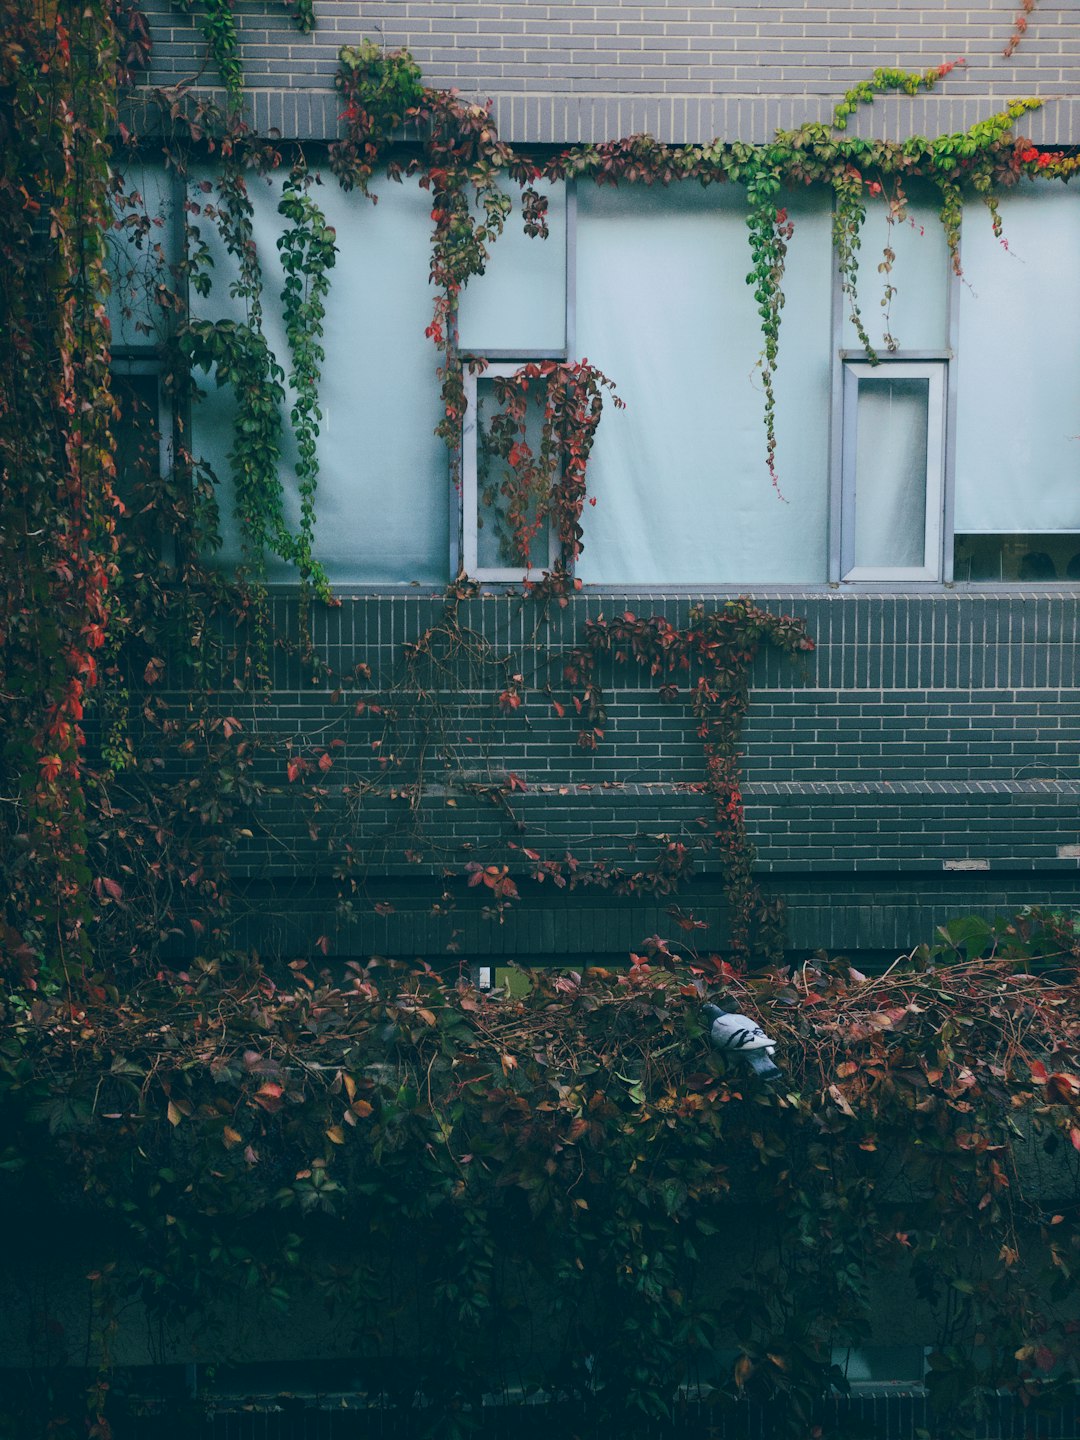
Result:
892,470
144,431
507,480
955,457
382,512
519,310
142,249
1017,488
663,308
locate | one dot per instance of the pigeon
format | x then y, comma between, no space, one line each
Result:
739,1035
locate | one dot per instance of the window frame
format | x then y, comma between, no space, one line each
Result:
933,368
470,540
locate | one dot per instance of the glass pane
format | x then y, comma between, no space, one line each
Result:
1030,558
1018,377
890,473
903,276
682,490
140,249
519,303
382,506
512,490
138,455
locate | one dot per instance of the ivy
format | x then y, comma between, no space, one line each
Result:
308,252
221,1115
217,20
716,653
380,88
464,161
884,81
1020,26
238,355
849,216
57,103
303,14
218,23
770,231
581,1140
546,489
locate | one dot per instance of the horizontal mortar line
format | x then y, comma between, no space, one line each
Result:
912,787
481,789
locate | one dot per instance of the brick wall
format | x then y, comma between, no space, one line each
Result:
568,72
921,762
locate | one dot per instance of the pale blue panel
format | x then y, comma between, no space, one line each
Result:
916,316
139,256
519,303
382,506
1018,372
683,492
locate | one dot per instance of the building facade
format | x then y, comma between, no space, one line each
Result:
919,762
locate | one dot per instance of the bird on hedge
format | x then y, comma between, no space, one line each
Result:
741,1036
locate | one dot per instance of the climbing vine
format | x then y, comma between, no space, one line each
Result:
465,156
308,253
532,494
584,1134
1020,26
720,646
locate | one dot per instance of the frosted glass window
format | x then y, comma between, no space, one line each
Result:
382,503
915,316
893,470
663,308
140,248
1018,388
519,303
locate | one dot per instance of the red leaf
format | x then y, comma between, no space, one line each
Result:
1063,1086
51,766
295,769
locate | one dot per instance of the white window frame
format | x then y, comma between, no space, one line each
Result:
470,489
935,371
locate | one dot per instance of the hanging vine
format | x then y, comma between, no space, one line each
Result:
308,252
537,494
716,652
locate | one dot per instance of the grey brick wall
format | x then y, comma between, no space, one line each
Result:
921,762
561,73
